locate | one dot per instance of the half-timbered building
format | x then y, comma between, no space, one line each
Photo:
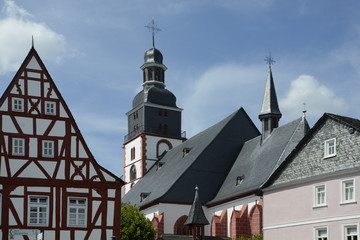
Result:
50,184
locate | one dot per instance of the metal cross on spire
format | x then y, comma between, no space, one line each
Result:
153,29
269,60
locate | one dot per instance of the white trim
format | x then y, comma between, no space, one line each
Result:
316,221
347,225
37,204
342,192
49,148
51,110
315,203
77,206
319,228
21,103
14,146
326,148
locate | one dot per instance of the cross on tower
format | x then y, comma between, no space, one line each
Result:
153,29
269,60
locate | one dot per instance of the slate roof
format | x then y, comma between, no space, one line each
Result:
212,154
270,104
346,161
196,214
258,160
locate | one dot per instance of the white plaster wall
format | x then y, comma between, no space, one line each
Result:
8,125
172,212
134,143
34,88
64,235
39,189
4,106
73,146
62,110
33,64
25,124
58,129
33,143
127,171
151,144
96,234
34,75
19,208
110,213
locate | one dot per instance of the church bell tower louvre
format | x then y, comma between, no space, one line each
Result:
154,122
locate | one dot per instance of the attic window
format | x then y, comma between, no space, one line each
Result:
239,180
186,151
143,196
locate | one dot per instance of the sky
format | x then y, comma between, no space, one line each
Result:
214,52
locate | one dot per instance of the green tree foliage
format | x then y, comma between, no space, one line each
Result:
134,224
255,237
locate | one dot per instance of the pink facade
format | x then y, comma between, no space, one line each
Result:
291,212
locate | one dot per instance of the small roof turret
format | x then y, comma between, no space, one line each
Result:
196,214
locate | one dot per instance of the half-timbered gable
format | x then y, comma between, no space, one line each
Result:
49,180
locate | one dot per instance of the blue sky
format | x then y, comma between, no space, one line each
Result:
214,51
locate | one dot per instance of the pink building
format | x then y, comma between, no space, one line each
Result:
314,193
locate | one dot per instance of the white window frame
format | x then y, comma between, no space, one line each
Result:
346,227
17,148
316,196
50,110
317,230
17,104
38,206
327,143
77,206
48,151
344,193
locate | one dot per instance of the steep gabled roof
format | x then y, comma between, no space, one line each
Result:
212,154
34,71
259,159
351,161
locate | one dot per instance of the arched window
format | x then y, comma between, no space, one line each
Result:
165,129
144,76
180,228
150,74
132,173
157,74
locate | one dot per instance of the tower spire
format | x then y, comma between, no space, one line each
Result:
153,29
270,112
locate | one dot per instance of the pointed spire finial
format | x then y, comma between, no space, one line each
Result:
153,29
197,188
32,40
269,60
304,111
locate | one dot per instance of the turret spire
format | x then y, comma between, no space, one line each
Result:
270,112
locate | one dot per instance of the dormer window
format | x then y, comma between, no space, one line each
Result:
330,148
143,196
159,165
186,151
239,180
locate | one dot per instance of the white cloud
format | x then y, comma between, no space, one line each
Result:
220,91
17,27
318,99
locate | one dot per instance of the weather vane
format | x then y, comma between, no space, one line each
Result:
269,60
153,29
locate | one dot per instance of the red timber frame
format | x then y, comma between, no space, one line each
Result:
75,172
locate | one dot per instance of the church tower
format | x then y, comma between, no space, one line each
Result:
154,122
270,113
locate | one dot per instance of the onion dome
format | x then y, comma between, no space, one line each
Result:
153,55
